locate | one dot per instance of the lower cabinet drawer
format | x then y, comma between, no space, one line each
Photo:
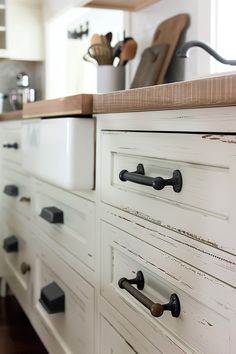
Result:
141,174
67,219
16,192
207,305
113,342
63,309
18,258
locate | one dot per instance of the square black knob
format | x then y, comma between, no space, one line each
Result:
52,298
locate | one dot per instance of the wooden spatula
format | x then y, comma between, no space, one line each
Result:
128,51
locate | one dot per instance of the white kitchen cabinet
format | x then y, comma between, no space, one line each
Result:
23,30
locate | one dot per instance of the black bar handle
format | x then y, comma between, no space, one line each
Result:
11,146
156,309
157,183
52,215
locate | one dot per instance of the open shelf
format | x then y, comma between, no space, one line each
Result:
130,5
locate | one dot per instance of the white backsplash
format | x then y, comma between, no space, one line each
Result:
9,70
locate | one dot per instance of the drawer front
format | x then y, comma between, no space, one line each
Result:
208,311
76,230
18,257
68,330
16,192
112,342
202,210
11,142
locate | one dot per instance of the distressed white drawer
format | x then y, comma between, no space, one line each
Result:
208,311
74,230
11,142
18,258
113,342
68,329
16,192
203,209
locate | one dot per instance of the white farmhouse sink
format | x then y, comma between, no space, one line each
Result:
60,151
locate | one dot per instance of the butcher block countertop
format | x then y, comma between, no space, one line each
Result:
77,105
210,92
14,115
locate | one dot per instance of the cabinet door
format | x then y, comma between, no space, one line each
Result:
24,30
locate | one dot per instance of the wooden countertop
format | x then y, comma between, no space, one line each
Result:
211,92
14,115
66,106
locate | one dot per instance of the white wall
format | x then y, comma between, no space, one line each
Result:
66,72
142,25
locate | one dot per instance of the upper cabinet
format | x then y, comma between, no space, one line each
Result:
21,30
131,5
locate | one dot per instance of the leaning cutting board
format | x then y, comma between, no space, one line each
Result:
150,65
169,32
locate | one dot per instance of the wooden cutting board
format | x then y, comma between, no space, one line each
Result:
150,65
169,32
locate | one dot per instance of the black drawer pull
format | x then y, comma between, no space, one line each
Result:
25,268
157,183
156,309
10,244
11,146
52,298
11,190
52,215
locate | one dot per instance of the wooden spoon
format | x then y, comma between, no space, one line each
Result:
128,51
96,39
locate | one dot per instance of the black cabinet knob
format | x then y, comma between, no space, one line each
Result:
52,298
11,146
10,244
11,190
52,215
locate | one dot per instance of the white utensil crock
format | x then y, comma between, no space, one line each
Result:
110,78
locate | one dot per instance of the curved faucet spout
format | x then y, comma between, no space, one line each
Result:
183,52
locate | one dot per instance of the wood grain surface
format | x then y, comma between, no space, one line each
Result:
131,5
15,115
66,106
211,92
169,33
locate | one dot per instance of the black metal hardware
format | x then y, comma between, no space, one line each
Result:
157,183
25,200
25,268
11,190
183,52
52,215
10,244
156,309
11,146
52,298
79,34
